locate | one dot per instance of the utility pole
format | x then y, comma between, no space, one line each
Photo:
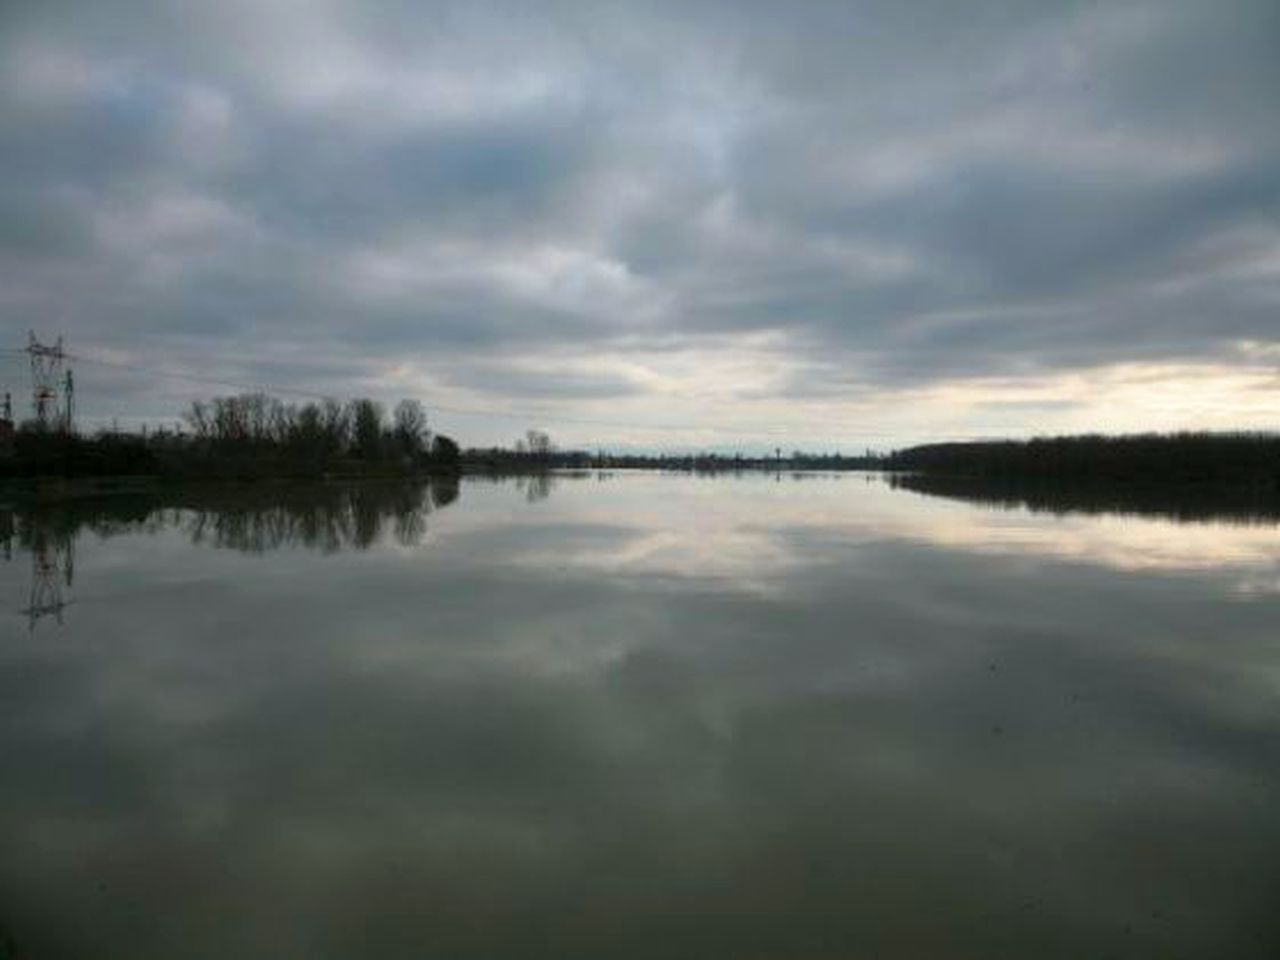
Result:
69,404
6,427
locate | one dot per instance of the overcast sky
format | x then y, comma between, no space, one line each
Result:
824,224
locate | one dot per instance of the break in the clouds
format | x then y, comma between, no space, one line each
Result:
835,223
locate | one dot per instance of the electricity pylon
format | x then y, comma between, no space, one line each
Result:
46,379
52,565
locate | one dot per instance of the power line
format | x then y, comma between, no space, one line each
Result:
770,430
197,378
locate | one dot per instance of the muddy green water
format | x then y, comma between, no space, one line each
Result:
637,716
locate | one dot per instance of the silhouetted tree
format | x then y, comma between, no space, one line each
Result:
366,428
538,443
245,436
444,450
410,429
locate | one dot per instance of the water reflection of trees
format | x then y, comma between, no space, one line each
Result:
254,519
536,486
325,518
322,517
1184,503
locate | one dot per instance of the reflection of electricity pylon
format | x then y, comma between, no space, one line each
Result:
51,566
46,379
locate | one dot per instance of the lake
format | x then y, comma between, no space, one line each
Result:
635,716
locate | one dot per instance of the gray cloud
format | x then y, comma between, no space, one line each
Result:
901,195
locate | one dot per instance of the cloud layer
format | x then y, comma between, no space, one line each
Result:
835,221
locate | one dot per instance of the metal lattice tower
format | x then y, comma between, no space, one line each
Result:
52,565
46,380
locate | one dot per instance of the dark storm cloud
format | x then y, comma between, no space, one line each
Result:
902,193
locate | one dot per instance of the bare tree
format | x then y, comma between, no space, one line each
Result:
198,417
410,428
539,443
366,428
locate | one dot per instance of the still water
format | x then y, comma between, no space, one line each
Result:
635,716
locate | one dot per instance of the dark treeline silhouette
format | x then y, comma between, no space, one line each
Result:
532,453
318,516
1221,460
719,462
246,436
1181,476
536,452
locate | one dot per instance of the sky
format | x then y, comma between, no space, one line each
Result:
658,226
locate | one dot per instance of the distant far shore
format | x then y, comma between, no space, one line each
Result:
1196,459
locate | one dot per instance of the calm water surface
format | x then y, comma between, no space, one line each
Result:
635,716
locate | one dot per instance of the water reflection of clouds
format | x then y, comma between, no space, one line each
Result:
736,557
766,533
1121,543
559,734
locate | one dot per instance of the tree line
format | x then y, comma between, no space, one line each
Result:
319,432
535,451
1186,459
248,435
